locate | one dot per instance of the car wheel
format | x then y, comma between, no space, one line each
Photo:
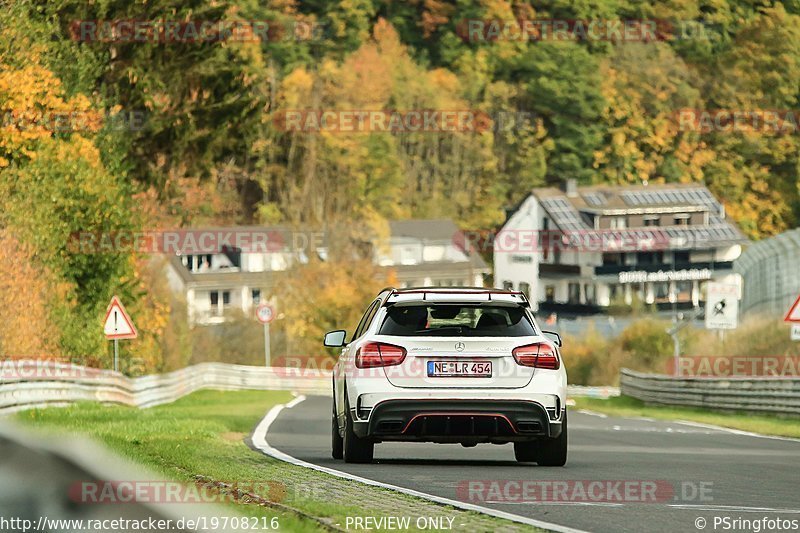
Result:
356,449
553,452
337,443
526,452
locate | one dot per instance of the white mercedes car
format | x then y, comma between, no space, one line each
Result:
449,365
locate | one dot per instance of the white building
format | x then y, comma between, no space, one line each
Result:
581,249
217,283
429,253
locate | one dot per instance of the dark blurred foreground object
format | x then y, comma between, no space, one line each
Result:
41,475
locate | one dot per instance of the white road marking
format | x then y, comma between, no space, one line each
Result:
682,506
735,431
294,402
259,440
710,428
634,429
577,504
742,509
593,413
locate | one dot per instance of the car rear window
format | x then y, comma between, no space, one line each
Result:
458,320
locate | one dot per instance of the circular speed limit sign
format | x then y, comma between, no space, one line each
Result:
265,313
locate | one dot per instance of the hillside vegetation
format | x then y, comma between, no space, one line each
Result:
164,134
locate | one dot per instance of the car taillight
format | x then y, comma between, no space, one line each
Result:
539,355
379,354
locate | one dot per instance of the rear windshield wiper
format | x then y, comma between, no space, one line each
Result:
457,329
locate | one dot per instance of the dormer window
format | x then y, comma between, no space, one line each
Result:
652,220
619,222
681,219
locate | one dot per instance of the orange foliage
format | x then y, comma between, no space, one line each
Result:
25,293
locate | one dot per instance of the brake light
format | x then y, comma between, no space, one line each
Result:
539,355
379,354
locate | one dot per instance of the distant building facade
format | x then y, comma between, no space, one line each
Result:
770,278
426,253
221,283
579,250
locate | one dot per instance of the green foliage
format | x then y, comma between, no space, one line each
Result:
563,83
211,149
593,360
598,111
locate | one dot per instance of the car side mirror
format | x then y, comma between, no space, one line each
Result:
335,339
555,337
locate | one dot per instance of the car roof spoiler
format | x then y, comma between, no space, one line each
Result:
455,295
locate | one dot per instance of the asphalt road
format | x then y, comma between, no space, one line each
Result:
743,477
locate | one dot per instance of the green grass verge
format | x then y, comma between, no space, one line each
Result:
203,434
200,434
627,406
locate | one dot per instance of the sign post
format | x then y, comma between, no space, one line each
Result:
266,314
118,325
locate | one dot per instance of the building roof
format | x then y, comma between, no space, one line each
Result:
440,229
436,230
566,211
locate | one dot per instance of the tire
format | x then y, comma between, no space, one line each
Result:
356,449
553,452
526,452
337,443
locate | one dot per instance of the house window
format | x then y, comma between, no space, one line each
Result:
680,257
525,288
662,291
684,291
649,258
198,263
549,294
614,291
652,220
613,259
681,220
256,293
574,295
214,297
507,285
589,291
619,222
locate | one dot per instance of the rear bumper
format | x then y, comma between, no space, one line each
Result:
462,420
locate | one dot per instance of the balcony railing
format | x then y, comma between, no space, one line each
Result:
551,268
665,267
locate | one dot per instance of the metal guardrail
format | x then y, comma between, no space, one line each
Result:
753,394
30,384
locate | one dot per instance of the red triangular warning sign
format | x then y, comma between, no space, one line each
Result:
118,323
794,313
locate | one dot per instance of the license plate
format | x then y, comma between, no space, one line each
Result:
460,369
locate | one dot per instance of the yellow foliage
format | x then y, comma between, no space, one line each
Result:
26,292
323,296
32,108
